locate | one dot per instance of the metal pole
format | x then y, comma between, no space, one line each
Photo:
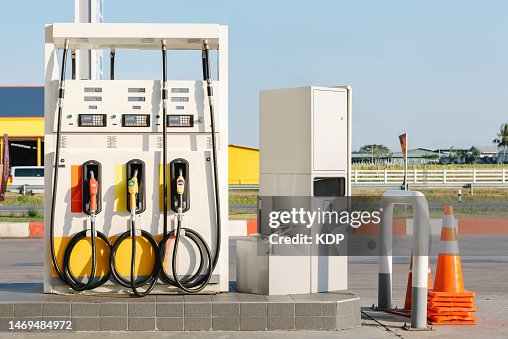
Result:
406,186
39,158
384,295
88,62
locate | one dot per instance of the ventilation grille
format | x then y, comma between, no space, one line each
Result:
209,142
111,141
63,141
159,142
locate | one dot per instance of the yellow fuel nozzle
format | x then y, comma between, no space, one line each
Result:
180,183
133,189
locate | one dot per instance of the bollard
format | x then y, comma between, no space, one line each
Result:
420,258
460,196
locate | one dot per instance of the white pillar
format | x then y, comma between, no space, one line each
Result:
88,63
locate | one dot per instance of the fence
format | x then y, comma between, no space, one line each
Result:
430,178
422,178
392,178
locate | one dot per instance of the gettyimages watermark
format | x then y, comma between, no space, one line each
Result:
351,226
308,219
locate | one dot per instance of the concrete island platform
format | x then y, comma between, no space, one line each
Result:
226,311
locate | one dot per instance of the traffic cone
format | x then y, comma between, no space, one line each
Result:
409,289
406,311
448,302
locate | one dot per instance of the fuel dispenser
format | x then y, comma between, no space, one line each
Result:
135,170
307,167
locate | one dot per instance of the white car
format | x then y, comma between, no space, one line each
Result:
26,175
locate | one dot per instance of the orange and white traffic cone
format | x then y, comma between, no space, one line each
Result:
406,311
407,301
448,302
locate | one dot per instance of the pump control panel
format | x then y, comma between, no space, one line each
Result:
135,106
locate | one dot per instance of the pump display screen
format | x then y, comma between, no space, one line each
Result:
136,120
92,120
180,121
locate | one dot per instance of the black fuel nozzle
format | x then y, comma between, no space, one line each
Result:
91,188
135,174
179,185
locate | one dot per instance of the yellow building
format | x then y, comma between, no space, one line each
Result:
21,118
243,165
26,135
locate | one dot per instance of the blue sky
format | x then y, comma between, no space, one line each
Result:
436,69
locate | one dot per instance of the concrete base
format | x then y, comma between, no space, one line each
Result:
226,312
267,269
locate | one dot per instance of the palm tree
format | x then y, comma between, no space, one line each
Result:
496,142
503,137
451,153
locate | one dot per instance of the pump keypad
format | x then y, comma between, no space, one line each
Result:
92,120
185,120
136,120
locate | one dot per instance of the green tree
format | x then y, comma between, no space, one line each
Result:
503,137
377,151
451,153
471,156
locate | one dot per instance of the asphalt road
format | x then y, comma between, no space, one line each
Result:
21,260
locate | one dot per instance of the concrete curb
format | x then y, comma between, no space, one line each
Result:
14,230
237,228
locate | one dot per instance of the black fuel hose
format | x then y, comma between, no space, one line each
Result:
67,276
151,279
112,64
73,65
71,279
199,279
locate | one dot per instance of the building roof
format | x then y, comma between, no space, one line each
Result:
485,149
358,155
416,153
244,147
22,101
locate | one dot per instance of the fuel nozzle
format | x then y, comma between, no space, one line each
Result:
133,189
93,188
180,183
180,189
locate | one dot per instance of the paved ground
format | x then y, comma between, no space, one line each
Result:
21,261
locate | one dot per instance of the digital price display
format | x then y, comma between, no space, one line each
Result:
179,99
91,98
92,120
136,98
136,90
93,89
180,121
136,120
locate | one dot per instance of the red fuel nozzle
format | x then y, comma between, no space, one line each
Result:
93,187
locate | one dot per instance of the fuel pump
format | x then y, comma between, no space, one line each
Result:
136,159
66,274
199,279
135,198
